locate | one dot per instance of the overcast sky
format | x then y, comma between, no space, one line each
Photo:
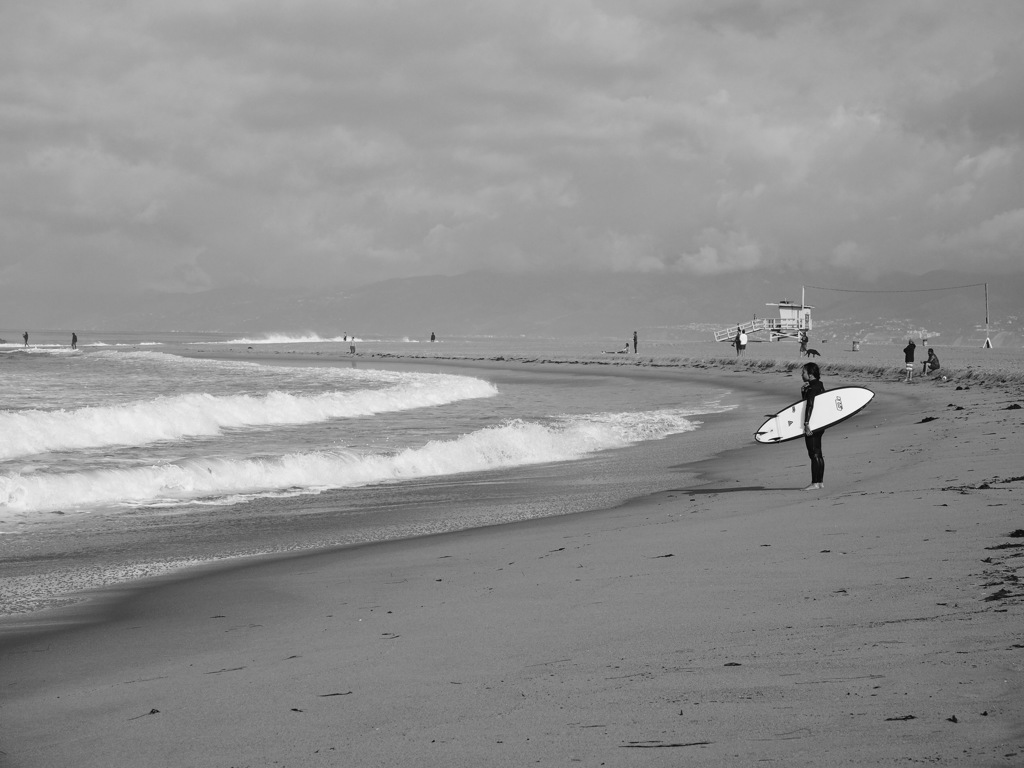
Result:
190,144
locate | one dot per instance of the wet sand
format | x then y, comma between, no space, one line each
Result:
731,620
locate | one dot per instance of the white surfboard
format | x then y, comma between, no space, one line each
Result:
830,408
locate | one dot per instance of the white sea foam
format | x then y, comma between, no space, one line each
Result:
28,432
286,338
515,443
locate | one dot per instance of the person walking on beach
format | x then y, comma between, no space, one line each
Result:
813,387
634,342
908,359
74,340
736,340
931,365
803,343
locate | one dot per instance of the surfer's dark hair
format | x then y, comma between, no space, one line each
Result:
813,369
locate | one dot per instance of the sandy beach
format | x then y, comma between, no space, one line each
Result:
733,620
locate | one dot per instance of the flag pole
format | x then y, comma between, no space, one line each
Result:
988,341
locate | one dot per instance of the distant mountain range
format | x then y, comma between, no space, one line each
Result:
561,304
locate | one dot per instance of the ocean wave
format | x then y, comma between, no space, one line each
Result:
101,344
286,338
265,372
511,444
29,432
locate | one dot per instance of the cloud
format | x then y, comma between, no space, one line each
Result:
721,252
850,255
1002,233
192,145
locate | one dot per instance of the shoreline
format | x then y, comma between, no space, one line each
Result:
754,377
998,366
89,604
730,619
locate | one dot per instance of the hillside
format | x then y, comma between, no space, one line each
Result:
578,304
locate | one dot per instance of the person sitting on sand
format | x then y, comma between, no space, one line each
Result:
811,374
931,365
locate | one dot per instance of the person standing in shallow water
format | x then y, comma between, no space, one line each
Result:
25,337
634,342
813,387
74,340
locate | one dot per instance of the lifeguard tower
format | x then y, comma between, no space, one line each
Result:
793,320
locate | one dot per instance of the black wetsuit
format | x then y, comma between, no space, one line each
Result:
813,440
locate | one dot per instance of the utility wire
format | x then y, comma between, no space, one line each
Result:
909,290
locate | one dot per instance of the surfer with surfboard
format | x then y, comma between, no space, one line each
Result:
811,374
810,415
